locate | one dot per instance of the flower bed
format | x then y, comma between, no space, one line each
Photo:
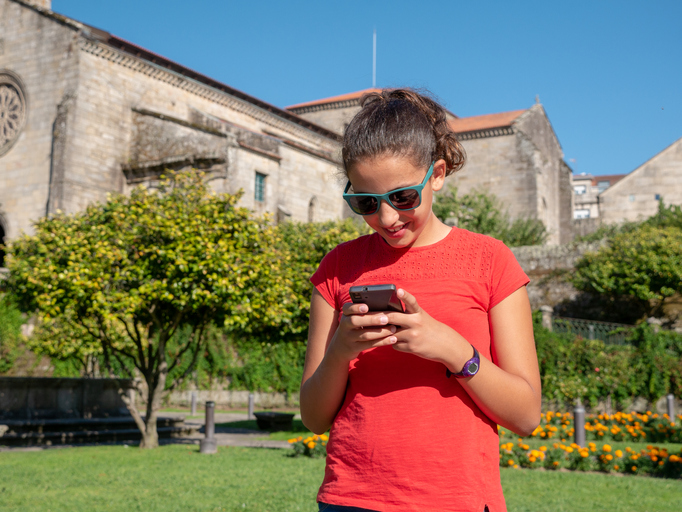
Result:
633,426
312,446
652,461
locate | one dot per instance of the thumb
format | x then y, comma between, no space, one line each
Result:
411,305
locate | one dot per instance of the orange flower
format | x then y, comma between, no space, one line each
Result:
311,445
606,448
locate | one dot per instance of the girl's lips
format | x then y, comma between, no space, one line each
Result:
395,233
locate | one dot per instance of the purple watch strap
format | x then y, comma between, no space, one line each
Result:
470,367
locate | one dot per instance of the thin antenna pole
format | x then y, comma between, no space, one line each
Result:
374,59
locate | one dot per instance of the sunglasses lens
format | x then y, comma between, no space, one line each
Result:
405,199
363,205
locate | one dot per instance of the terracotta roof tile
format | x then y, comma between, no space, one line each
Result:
484,122
611,178
335,99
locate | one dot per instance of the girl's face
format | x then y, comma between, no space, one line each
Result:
412,228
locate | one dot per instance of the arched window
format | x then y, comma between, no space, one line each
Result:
311,209
2,241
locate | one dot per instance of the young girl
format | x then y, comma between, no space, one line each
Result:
413,399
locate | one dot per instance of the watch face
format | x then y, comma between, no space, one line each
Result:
472,368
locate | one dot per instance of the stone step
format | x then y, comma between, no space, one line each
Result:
86,436
81,424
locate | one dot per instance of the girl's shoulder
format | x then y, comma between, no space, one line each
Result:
353,246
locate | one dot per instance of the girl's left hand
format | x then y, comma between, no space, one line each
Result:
424,336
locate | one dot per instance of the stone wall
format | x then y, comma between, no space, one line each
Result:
335,119
27,398
635,197
547,267
44,54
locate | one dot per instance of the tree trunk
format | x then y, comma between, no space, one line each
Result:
150,436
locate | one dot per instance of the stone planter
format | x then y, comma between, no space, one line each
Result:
274,421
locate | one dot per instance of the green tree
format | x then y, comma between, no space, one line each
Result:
305,244
481,213
10,333
128,276
645,264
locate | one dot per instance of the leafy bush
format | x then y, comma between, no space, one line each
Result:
10,333
645,264
649,365
481,213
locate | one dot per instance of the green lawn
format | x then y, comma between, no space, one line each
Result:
178,478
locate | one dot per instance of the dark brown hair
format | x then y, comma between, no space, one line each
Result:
404,123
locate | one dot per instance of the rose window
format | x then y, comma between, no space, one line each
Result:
12,110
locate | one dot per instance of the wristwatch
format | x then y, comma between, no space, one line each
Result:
470,367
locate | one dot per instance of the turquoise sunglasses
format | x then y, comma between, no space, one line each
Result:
404,199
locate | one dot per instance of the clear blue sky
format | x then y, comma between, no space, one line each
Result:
609,73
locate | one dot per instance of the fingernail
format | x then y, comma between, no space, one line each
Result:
393,339
364,308
383,319
393,328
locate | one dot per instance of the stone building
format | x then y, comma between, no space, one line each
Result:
636,196
514,155
84,113
586,190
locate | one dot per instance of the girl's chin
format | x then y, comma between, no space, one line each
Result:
400,238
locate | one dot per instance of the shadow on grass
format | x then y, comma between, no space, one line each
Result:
297,427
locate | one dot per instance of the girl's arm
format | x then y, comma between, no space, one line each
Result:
332,345
507,392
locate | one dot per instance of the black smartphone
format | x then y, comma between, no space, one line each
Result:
378,297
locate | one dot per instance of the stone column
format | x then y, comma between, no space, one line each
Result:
547,312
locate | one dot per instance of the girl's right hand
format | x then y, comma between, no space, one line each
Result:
360,330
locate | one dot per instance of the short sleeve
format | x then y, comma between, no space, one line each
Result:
324,279
507,276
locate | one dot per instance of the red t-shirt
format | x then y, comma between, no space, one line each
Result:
407,438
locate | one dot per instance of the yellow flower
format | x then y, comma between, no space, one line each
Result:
569,450
584,453
324,437
609,457
619,453
510,462
311,445
606,448
616,467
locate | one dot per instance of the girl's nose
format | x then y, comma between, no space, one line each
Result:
387,214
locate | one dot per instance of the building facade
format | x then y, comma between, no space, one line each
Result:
85,113
636,196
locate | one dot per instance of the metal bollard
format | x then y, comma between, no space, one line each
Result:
579,425
591,332
194,403
251,404
671,407
209,444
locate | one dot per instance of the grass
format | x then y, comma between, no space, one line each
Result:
178,478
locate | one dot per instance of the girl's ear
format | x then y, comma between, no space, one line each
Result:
438,176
